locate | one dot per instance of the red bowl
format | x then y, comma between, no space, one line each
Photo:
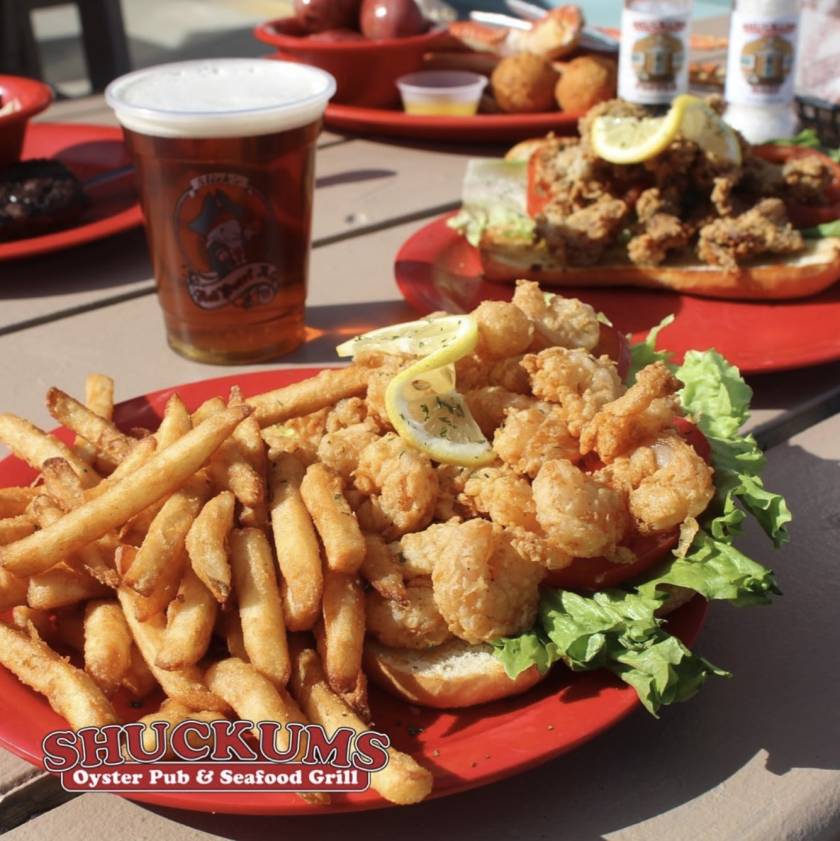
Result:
32,98
365,71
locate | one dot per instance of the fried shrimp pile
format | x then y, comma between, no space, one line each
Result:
582,468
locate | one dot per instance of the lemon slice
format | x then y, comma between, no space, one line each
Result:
628,140
429,413
456,334
706,128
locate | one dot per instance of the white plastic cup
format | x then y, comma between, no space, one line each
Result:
441,93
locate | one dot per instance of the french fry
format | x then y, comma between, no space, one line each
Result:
250,442
107,440
62,586
207,544
158,600
65,583
166,537
207,409
96,558
344,545
99,398
184,685
142,452
252,696
99,395
70,691
402,780
309,395
34,446
230,470
23,616
296,545
382,570
189,624
260,609
62,483
14,501
175,422
343,629
172,713
160,476
108,642
12,590
15,528
139,681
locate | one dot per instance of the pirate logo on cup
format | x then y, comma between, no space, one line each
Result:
223,225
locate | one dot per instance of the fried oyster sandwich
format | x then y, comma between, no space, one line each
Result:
693,207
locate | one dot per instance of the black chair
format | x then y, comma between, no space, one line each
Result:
103,39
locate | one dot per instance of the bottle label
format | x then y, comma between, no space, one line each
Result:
762,55
653,61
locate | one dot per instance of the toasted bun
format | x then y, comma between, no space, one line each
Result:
455,674
791,276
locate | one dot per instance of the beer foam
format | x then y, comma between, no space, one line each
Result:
227,97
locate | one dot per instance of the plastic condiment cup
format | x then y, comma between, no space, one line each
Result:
443,93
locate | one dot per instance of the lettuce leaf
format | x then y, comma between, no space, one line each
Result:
823,231
612,629
618,629
715,395
494,198
807,137
644,353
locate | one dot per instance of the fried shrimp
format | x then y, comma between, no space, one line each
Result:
535,546
558,321
347,412
645,409
488,405
503,495
575,380
419,550
474,371
300,435
666,482
451,481
340,450
482,586
414,622
401,486
384,369
580,514
503,329
531,436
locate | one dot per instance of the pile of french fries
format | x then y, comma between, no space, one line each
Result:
193,558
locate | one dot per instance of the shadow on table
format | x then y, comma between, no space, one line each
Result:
110,263
779,710
330,325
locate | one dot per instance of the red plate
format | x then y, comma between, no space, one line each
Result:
86,151
482,128
464,749
437,269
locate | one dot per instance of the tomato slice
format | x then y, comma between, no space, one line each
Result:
597,573
806,215
538,191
